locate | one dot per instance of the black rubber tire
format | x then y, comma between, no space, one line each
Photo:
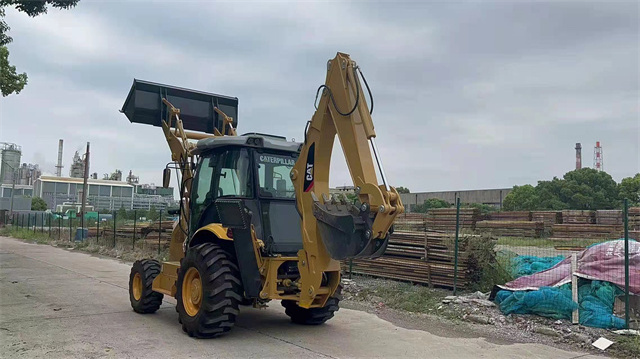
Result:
221,291
150,301
313,316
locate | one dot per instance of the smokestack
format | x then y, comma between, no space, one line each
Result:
597,157
578,156
59,165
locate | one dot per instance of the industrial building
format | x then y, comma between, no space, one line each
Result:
493,197
102,194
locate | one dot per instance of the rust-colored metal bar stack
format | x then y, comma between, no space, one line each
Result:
610,217
586,231
420,257
445,219
510,216
548,219
571,216
526,229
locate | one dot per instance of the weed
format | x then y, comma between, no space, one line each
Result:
404,296
626,346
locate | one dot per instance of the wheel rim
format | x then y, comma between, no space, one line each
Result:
137,286
192,291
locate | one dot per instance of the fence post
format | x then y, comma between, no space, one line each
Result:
28,220
135,221
59,227
49,216
455,253
42,223
159,231
114,228
70,224
98,229
626,262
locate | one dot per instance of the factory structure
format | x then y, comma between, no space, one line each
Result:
21,181
102,194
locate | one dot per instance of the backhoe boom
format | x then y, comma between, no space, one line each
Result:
331,230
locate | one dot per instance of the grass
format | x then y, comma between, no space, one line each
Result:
544,242
626,346
26,234
403,296
525,242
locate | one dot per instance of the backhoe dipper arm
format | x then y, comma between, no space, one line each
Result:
333,231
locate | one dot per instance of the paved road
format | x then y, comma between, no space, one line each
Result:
55,303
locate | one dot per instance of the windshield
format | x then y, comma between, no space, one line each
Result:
273,175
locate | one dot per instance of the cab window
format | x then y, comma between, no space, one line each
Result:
274,175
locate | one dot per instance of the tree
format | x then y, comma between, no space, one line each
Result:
153,214
402,190
521,198
10,80
589,189
38,204
431,203
548,193
630,188
122,214
484,208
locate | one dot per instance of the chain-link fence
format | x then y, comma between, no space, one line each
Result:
119,229
582,266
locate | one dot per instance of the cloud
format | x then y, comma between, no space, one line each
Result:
467,95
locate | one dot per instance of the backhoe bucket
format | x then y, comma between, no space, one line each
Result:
346,231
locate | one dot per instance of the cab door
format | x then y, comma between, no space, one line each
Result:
225,173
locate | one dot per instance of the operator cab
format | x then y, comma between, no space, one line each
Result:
254,168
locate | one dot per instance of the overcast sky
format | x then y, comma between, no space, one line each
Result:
467,95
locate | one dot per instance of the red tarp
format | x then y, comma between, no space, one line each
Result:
604,261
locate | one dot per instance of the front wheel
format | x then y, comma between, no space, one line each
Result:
143,298
313,316
209,291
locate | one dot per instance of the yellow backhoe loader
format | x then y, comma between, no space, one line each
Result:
256,220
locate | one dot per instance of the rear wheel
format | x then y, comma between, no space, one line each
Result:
209,291
143,298
313,316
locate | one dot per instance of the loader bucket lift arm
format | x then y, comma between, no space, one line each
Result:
333,231
195,116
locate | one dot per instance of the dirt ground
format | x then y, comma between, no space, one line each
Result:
470,315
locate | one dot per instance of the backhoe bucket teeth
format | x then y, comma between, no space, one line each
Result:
346,231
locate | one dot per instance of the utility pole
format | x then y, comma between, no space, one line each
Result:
13,190
84,187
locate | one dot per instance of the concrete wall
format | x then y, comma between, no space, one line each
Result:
492,197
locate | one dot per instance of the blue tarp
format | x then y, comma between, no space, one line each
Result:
596,300
527,265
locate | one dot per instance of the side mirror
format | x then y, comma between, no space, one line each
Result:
166,177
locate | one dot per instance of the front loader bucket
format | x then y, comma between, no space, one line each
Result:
346,231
